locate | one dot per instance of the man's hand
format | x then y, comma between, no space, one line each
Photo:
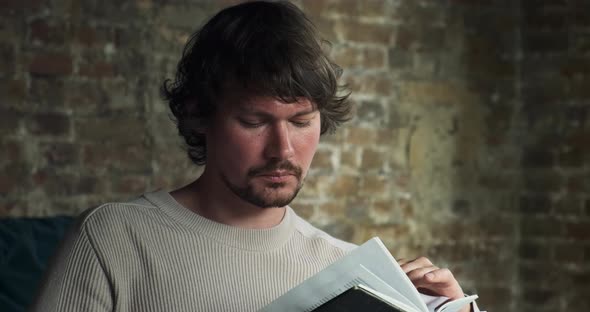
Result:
432,280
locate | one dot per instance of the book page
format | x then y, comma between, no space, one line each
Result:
347,272
457,304
378,285
322,288
377,259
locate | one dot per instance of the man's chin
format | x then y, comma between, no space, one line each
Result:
267,194
276,200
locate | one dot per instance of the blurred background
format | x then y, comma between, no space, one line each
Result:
470,142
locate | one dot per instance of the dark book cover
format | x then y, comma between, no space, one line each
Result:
356,299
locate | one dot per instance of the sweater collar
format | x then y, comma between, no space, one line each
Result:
242,238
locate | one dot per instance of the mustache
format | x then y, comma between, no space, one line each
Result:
274,166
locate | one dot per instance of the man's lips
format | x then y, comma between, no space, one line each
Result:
277,174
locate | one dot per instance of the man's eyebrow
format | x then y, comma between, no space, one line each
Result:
306,112
265,114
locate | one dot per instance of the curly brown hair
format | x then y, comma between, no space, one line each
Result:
267,48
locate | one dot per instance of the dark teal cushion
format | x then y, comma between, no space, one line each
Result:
26,244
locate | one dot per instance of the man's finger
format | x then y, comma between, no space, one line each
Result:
417,276
415,264
443,275
402,261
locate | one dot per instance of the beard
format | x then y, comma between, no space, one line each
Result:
268,195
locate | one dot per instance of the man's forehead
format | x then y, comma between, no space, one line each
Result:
263,103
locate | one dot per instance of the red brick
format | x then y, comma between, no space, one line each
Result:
7,60
349,159
131,184
387,137
314,8
498,226
51,64
387,233
539,157
135,158
580,43
361,136
84,97
543,181
9,121
56,183
579,230
13,92
97,70
578,90
44,32
373,8
579,184
54,124
413,38
86,35
490,62
381,85
451,230
340,228
580,17
344,186
499,297
529,250
59,153
46,93
322,160
450,252
371,111
545,19
10,153
540,228
305,211
568,252
13,179
339,7
20,4
373,159
545,42
375,186
441,93
121,129
497,180
572,158
364,58
567,206
528,273
548,298
420,13
578,139
7,206
365,33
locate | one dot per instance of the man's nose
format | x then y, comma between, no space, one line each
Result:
279,144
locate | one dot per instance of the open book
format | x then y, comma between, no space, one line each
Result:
367,279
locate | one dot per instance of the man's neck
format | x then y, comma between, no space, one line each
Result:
210,199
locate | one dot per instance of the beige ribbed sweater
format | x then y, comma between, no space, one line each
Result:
152,254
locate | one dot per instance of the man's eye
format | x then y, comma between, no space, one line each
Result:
251,124
301,124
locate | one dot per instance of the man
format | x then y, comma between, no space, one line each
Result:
253,93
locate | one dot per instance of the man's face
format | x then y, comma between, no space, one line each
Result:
261,148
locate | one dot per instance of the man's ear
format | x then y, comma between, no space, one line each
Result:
195,120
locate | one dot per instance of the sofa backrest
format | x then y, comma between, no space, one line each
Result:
26,245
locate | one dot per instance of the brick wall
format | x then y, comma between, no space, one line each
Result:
469,145
554,134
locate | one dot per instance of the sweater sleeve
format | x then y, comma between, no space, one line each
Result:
75,280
